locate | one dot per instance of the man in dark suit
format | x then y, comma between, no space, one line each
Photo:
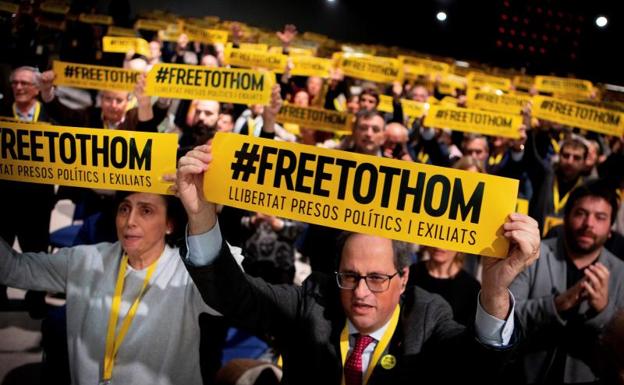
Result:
26,207
360,326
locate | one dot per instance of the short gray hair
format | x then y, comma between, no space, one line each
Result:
401,251
34,70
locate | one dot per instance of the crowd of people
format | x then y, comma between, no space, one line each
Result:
152,282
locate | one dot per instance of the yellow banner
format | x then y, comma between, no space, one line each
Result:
125,44
311,66
555,84
228,85
151,25
254,47
205,35
254,59
170,36
94,77
212,19
411,108
87,157
364,49
477,121
54,7
507,103
449,101
9,7
119,31
300,51
479,79
95,19
449,82
58,25
425,66
596,119
316,118
524,82
376,69
412,202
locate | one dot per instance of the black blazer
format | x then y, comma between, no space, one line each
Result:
306,323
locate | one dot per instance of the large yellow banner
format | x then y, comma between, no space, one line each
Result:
94,77
125,44
555,84
87,157
591,118
252,58
471,120
486,100
316,118
428,205
228,85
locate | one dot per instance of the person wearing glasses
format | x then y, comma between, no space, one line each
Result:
26,207
361,326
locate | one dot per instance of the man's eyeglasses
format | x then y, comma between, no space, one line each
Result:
376,282
21,83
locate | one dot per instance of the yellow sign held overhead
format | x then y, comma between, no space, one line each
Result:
250,59
150,25
94,77
411,108
507,103
524,82
316,118
228,85
603,121
125,44
311,66
479,79
54,7
9,7
413,202
471,120
373,68
119,31
553,84
87,157
95,19
204,35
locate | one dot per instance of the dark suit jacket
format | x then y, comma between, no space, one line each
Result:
306,323
92,117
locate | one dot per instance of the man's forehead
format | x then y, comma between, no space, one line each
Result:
23,74
115,94
207,105
375,120
367,251
593,204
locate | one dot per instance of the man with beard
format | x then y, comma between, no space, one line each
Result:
565,298
203,125
552,185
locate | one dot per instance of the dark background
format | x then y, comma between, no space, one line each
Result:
545,37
